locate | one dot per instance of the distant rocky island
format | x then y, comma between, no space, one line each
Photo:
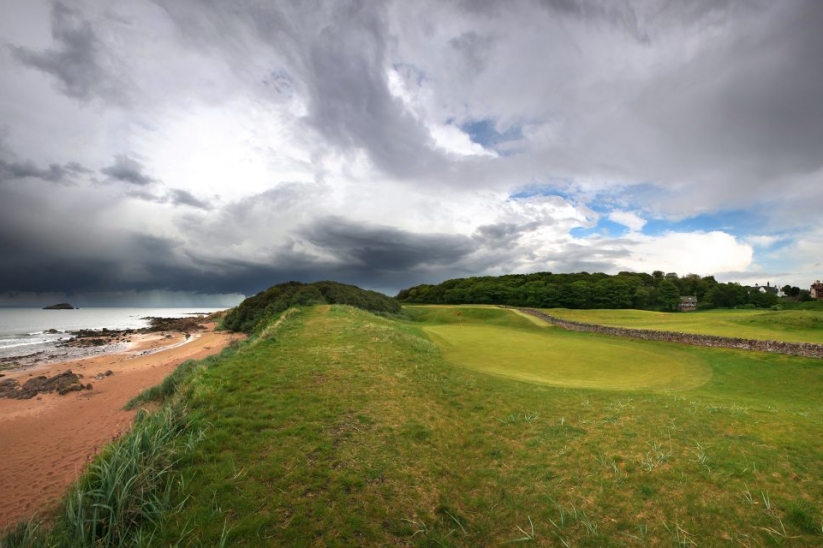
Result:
59,306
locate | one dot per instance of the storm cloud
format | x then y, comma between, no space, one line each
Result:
75,58
206,148
127,170
384,248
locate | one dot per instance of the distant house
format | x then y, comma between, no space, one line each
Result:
817,290
688,304
765,288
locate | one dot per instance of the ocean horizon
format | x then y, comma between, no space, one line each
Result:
27,330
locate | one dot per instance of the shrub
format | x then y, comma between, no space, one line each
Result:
255,310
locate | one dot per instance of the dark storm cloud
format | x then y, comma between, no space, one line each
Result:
336,54
184,197
135,264
385,248
617,12
55,173
580,258
138,262
13,169
475,49
752,105
127,170
504,233
173,196
74,60
350,101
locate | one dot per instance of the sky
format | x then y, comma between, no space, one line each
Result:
197,151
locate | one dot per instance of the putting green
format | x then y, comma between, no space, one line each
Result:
569,359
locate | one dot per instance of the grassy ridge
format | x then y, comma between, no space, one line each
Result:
340,428
255,312
786,325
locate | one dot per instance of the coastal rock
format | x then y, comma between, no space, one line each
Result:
182,325
62,383
59,306
7,387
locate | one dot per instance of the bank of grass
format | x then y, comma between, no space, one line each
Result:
169,387
340,428
782,325
122,495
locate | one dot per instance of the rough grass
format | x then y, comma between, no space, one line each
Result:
784,325
122,496
342,428
168,388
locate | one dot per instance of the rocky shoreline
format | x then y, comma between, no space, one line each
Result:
85,343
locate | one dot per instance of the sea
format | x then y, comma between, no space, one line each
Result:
26,331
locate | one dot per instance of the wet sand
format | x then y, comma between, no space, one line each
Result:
46,441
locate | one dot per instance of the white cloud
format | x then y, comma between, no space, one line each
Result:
628,219
455,141
703,253
763,241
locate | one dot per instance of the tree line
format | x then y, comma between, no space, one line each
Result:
655,291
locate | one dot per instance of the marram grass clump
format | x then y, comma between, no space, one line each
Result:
123,495
169,386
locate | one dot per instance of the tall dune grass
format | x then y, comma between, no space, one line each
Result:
122,496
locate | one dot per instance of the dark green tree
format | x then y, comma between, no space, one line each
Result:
668,295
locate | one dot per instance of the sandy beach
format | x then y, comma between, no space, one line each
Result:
46,441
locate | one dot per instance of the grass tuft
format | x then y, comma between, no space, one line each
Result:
123,495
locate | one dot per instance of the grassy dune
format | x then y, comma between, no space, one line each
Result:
784,325
336,427
341,428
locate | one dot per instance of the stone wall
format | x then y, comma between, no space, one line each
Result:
807,350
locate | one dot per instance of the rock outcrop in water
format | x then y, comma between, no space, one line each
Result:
59,306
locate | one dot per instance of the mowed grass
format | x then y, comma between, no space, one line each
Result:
514,347
340,428
782,325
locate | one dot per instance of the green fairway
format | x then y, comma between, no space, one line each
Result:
566,359
784,325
